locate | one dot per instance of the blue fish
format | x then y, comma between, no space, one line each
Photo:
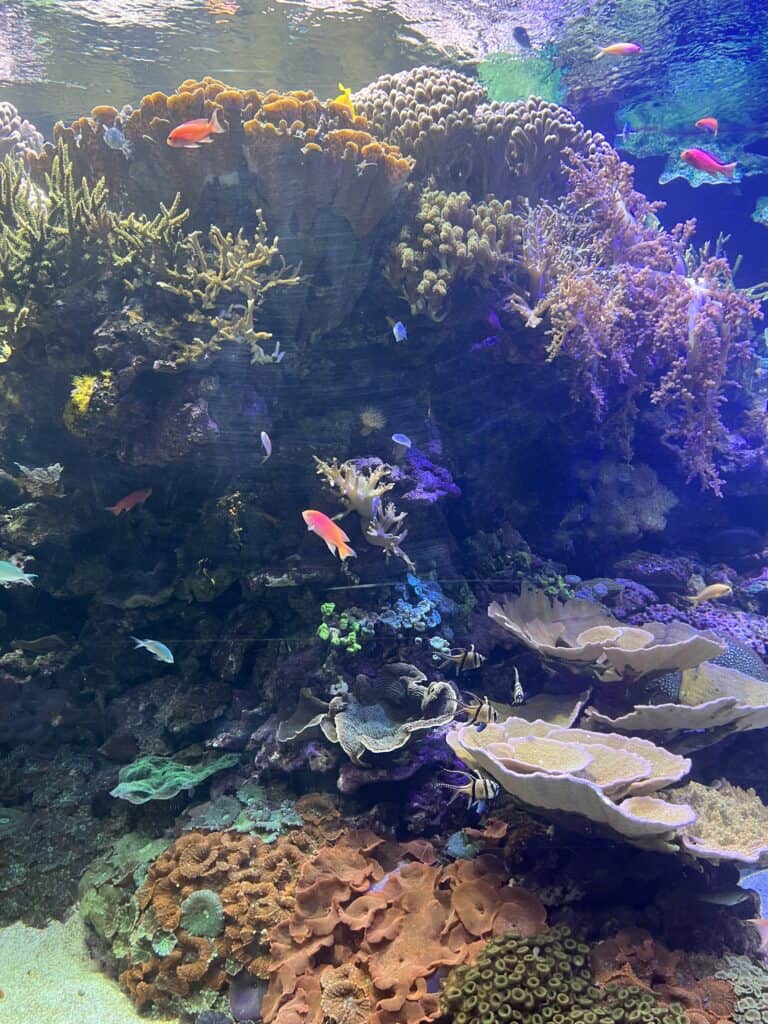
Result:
399,331
155,648
115,139
10,573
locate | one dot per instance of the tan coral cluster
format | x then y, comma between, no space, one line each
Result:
374,921
731,823
614,781
254,882
451,239
361,488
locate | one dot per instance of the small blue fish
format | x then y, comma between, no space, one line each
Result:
399,331
10,573
156,649
402,439
115,139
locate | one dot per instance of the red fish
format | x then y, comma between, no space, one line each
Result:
708,124
335,539
192,134
701,160
619,50
129,501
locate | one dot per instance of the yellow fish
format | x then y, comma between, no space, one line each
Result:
345,98
711,593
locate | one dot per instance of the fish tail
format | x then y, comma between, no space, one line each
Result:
215,125
139,643
113,509
345,551
691,600
28,577
728,170
600,54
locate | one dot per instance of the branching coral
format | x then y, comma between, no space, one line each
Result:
382,532
400,919
452,239
638,315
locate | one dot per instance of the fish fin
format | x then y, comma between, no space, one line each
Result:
691,600
113,509
728,170
215,125
600,54
345,551
28,577
204,142
332,547
185,145
139,643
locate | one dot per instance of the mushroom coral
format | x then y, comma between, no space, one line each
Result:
399,918
580,636
206,904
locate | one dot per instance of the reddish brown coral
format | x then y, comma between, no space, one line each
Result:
255,883
633,957
398,918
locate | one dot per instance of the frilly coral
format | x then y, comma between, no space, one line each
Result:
400,919
612,780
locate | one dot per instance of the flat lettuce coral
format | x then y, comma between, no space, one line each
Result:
161,778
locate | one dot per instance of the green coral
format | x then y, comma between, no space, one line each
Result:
544,979
343,629
202,914
750,983
249,811
160,778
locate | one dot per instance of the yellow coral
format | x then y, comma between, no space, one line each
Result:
82,392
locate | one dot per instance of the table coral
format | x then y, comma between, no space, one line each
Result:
544,977
580,637
615,781
387,908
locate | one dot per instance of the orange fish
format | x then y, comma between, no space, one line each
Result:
708,124
129,501
192,134
619,50
701,160
335,539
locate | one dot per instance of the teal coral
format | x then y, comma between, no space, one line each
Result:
202,914
160,778
544,978
249,811
750,983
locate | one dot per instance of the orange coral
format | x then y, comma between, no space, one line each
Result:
255,884
633,957
381,918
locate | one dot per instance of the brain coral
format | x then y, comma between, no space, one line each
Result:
398,917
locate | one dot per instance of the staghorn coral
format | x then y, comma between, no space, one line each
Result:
641,319
382,532
377,716
612,780
580,636
451,239
358,486
731,823
545,977
386,908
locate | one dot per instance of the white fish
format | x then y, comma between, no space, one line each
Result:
10,573
266,444
155,648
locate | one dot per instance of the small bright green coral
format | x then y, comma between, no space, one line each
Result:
160,778
343,629
202,914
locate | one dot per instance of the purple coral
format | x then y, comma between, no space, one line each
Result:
430,482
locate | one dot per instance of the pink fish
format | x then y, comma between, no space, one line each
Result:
701,160
192,134
619,50
335,539
129,501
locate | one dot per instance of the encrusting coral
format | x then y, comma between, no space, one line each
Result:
398,917
546,977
